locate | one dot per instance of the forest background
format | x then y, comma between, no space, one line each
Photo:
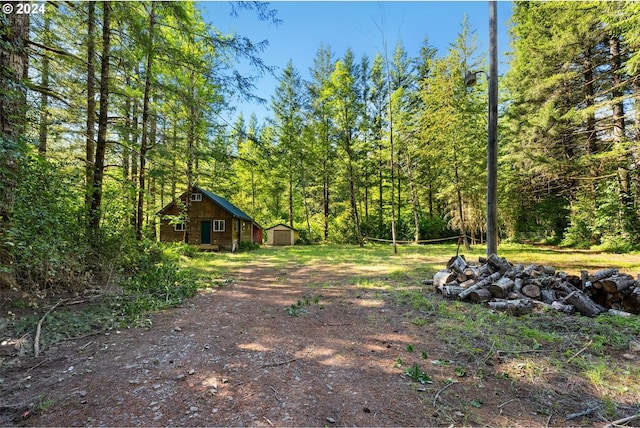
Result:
110,110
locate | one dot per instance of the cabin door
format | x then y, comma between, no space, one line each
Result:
205,232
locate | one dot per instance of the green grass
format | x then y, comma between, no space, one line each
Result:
412,261
530,348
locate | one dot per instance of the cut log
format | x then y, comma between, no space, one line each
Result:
480,295
457,263
602,274
587,286
561,307
632,302
499,263
517,285
515,307
619,313
584,278
617,283
450,291
532,271
515,296
548,281
548,270
471,272
480,284
531,290
548,296
574,280
468,283
442,277
461,277
484,270
501,287
581,301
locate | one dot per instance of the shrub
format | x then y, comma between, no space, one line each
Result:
155,280
48,239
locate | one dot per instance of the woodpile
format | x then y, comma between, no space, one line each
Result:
519,289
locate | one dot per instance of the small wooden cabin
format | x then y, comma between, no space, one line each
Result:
215,223
281,234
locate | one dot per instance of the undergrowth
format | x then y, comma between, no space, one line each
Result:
532,346
150,279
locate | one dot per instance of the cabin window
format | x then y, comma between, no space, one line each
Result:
179,227
243,225
196,197
218,225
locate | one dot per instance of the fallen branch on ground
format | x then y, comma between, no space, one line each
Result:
36,341
622,421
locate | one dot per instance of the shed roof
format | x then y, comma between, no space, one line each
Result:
282,224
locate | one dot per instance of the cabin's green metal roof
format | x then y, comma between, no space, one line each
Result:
225,204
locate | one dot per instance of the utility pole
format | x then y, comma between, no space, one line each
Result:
492,139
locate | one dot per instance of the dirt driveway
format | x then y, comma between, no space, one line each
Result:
234,356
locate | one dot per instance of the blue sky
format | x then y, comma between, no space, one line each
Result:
359,25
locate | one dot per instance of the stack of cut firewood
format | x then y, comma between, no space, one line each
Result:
519,288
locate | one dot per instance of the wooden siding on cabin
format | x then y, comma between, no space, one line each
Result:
206,210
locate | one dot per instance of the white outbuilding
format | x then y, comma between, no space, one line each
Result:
281,234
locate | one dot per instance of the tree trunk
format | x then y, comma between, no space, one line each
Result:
144,144
392,166
616,88
415,206
134,163
381,164
191,139
13,103
90,144
325,201
174,163
592,138
44,99
463,228
101,144
354,205
290,196
304,199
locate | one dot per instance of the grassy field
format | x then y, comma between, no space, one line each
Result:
535,348
563,356
419,259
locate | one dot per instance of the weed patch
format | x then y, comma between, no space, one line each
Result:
299,308
415,372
